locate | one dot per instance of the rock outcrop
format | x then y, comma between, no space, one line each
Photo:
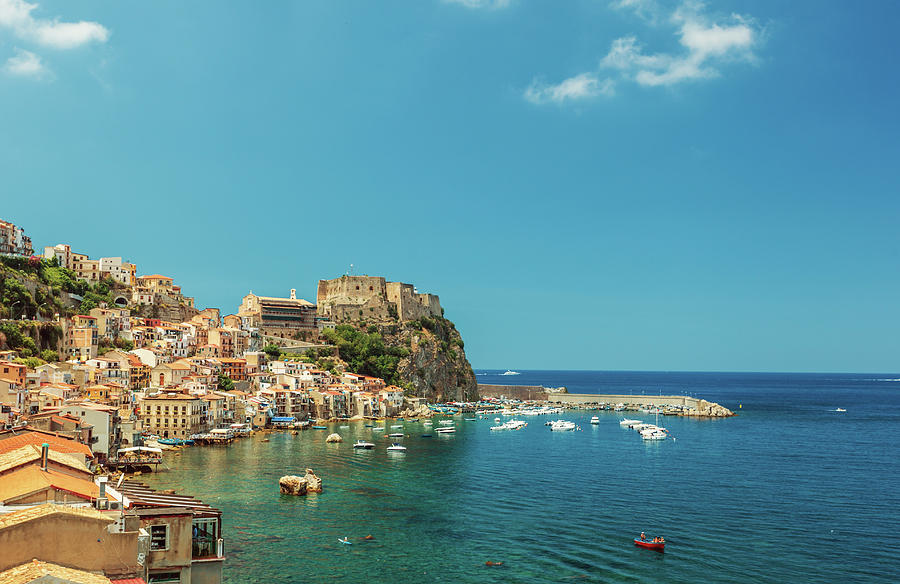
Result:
707,409
333,438
436,367
419,412
292,485
313,482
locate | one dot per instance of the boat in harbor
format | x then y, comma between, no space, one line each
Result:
363,444
840,410
396,448
595,420
510,372
511,425
650,545
320,427
628,423
378,429
562,426
446,430
446,422
396,435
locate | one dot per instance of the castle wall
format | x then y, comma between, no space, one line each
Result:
343,298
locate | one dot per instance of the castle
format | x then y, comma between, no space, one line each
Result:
372,299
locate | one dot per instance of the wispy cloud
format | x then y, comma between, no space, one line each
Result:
25,64
16,16
481,3
707,45
580,87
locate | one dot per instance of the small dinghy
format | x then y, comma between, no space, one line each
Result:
650,545
345,541
396,448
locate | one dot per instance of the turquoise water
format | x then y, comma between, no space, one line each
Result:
788,491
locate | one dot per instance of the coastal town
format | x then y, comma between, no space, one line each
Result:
102,369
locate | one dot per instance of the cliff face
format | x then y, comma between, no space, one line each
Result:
436,366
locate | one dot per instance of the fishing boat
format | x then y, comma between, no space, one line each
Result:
595,420
396,435
446,430
650,545
396,448
363,444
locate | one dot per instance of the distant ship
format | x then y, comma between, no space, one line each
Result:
508,372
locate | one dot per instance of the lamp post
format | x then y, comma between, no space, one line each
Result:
11,308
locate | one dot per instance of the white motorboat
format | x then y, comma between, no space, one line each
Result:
595,420
446,422
397,426
654,434
446,430
562,426
396,435
511,425
378,429
510,372
840,410
396,448
628,423
363,444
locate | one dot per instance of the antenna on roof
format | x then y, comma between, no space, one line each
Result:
350,271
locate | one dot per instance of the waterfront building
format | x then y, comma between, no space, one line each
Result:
172,415
105,420
186,543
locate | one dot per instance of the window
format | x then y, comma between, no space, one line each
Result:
159,537
204,535
160,577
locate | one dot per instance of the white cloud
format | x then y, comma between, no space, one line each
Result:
581,86
706,46
16,15
25,64
481,3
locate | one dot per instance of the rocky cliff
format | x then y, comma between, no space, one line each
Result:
436,366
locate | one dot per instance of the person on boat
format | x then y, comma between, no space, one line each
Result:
643,537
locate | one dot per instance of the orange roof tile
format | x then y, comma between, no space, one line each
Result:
31,479
57,443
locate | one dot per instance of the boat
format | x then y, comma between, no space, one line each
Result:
397,426
511,425
654,434
426,435
378,429
470,419
446,422
626,422
169,441
510,372
345,426
396,435
446,430
363,444
840,410
396,448
320,427
345,541
595,420
562,426
650,545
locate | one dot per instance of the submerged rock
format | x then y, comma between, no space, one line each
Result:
334,438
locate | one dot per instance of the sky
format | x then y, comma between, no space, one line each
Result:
587,184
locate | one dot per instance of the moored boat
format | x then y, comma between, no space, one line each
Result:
363,444
595,420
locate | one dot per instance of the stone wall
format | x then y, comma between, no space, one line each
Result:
523,392
371,298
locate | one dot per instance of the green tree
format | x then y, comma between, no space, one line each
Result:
225,383
272,351
49,355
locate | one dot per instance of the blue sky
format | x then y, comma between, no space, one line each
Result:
621,184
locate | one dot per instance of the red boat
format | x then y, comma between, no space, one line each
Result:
651,545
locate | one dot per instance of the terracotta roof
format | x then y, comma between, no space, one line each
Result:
155,277
129,581
32,452
31,479
56,443
46,510
140,495
45,571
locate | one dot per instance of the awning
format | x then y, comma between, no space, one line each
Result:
283,419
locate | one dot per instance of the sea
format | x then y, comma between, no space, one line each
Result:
790,490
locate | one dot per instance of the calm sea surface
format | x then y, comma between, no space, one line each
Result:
789,491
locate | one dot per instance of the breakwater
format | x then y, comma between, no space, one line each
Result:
523,392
